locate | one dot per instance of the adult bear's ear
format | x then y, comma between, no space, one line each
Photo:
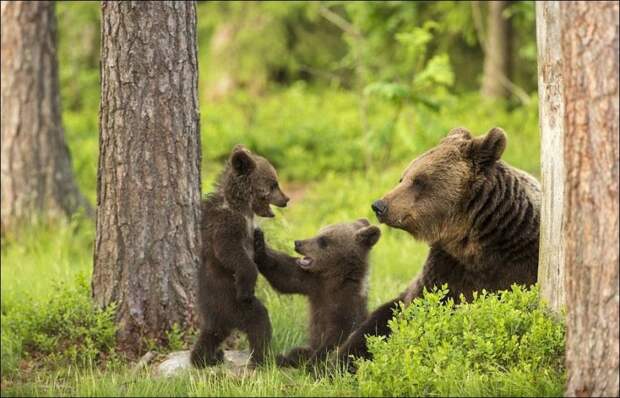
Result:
488,149
241,160
368,236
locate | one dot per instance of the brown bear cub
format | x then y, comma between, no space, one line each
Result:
333,273
479,215
247,187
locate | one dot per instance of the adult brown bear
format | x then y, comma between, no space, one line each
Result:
479,215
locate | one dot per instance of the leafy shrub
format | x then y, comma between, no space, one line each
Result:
66,329
499,344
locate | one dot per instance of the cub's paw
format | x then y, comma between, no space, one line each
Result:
283,361
201,359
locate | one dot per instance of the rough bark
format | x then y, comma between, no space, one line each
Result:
37,178
550,93
497,52
148,192
589,42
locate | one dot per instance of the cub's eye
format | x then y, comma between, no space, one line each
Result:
323,242
400,180
274,185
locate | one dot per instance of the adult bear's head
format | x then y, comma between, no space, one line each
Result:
427,202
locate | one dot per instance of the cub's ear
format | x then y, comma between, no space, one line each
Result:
459,131
368,236
488,149
241,160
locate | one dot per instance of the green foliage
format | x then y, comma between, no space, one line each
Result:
505,344
66,329
175,337
308,133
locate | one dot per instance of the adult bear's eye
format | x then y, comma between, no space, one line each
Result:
323,242
418,183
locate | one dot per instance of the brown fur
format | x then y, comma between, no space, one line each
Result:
479,215
335,282
247,186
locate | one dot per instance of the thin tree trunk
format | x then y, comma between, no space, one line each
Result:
37,178
148,193
497,51
550,92
589,41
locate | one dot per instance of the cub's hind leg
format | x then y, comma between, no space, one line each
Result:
257,326
207,351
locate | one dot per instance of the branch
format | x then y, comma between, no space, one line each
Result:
339,21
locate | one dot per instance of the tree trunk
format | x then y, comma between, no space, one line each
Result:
497,48
37,178
589,45
148,192
550,92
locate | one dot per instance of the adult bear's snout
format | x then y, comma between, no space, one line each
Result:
379,207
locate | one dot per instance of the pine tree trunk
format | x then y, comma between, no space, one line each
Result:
497,51
550,92
589,42
148,192
37,178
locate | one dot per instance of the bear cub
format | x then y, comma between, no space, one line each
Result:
227,278
333,273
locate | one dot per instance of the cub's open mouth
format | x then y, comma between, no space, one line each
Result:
269,213
305,262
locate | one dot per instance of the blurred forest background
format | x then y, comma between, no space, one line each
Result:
340,96
328,87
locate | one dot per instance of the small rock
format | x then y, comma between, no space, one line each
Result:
234,361
237,358
174,363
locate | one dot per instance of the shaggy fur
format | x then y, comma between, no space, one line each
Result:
228,273
479,216
333,274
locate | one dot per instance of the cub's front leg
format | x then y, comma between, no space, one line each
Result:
280,269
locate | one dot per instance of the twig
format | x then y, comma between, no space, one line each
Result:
340,22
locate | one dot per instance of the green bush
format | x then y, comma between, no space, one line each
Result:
504,344
66,329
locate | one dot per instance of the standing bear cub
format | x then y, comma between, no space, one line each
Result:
333,273
479,216
247,187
